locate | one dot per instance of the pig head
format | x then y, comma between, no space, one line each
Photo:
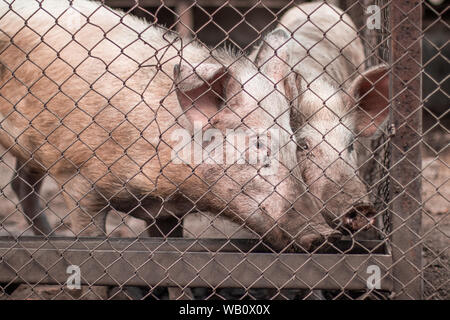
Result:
327,127
336,103
261,195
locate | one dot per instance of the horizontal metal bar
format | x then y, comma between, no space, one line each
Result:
184,244
140,262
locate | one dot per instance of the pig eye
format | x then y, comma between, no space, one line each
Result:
350,148
259,144
302,145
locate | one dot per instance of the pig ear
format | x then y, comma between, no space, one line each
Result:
272,58
200,90
370,91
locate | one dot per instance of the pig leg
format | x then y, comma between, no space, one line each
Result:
170,227
88,223
26,184
87,214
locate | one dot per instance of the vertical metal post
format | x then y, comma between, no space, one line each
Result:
406,162
185,24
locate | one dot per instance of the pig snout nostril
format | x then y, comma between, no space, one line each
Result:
352,214
360,216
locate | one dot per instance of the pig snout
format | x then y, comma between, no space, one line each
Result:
361,216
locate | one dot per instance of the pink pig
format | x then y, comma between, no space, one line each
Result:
336,103
94,97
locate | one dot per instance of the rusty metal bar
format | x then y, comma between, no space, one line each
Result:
128,262
405,173
185,244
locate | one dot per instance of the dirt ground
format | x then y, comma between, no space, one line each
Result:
435,223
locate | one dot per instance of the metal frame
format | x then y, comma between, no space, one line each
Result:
187,263
406,159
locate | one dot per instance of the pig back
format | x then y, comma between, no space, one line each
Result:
326,45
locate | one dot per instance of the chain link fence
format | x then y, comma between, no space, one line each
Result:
224,149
